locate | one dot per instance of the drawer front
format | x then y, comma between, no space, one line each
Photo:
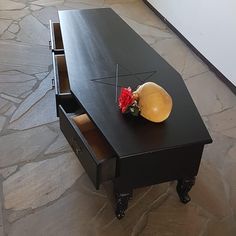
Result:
98,171
56,43
61,85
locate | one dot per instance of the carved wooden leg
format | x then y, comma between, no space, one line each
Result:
122,203
183,187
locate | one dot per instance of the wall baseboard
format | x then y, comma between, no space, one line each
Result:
231,86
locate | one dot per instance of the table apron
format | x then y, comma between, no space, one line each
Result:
159,167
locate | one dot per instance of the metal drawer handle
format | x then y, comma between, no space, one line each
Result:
53,83
78,150
75,146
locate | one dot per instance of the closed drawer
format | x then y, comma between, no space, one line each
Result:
90,146
62,86
56,43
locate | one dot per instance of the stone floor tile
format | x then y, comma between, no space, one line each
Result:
15,15
10,98
22,57
35,7
139,12
144,199
175,218
42,112
230,132
10,110
8,36
6,107
17,89
32,31
88,2
193,66
48,2
85,185
24,68
223,121
14,28
8,171
38,183
150,34
24,146
60,145
22,1
11,5
3,103
216,153
210,94
175,52
210,192
119,1
1,220
2,122
26,94
41,76
72,4
12,216
225,227
230,175
4,24
55,126
104,221
14,77
46,14
232,152
65,217
31,100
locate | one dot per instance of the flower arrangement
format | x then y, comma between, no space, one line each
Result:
149,100
128,102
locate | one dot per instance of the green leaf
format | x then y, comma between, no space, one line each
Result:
134,111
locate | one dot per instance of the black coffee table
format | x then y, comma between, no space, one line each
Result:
95,42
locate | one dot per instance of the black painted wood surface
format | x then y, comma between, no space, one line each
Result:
95,41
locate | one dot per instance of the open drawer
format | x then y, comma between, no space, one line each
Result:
90,146
56,43
62,86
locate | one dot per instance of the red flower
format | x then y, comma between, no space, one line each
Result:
126,99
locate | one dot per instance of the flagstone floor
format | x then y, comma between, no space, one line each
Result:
44,191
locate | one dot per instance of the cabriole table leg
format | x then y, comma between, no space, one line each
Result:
122,203
183,187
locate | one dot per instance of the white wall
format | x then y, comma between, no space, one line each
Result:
209,25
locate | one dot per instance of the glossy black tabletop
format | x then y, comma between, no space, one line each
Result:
95,41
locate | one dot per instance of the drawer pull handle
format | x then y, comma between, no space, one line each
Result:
77,150
50,45
53,83
75,146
